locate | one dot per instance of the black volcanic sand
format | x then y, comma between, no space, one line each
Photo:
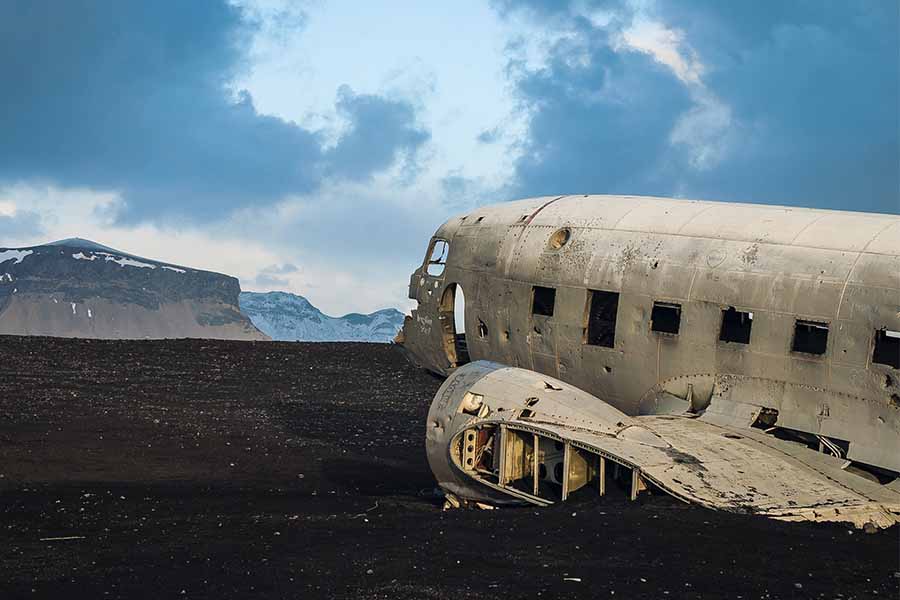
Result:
277,470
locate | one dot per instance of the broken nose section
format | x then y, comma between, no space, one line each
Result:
500,435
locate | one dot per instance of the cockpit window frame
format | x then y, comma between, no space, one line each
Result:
440,261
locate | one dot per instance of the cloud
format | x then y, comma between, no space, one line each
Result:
271,277
598,124
815,86
541,9
380,133
489,136
264,280
133,97
666,46
19,224
284,269
790,103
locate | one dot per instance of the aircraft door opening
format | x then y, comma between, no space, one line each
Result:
453,323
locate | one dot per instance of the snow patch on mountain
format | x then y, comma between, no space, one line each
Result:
124,261
17,255
289,317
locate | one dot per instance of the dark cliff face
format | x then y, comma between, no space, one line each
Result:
115,276
79,272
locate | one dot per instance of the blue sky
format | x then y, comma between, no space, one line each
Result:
314,146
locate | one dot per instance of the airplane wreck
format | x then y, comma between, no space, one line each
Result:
739,357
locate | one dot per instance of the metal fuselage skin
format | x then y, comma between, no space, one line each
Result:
786,266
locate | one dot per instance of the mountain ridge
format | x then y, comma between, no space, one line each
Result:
285,316
79,288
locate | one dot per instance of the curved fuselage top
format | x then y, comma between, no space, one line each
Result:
822,289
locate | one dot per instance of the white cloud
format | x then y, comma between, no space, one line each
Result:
448,59
667,47
706,131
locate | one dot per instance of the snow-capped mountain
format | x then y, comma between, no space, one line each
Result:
79,288
289,317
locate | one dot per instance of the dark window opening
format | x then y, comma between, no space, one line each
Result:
437,258
736,326
601,325
887,348
665,318
543,301
810,337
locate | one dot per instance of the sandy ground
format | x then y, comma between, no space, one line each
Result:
201,469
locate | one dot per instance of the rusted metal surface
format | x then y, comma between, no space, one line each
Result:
638,291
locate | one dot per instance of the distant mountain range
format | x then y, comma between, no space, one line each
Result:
79,288
289,317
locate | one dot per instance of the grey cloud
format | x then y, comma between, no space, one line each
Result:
382,131
20,225
131,96
265,280
489,136
804,97
816,84
283,269
460,193
598,125
557,8
269,277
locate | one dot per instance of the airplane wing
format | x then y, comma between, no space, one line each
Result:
498,432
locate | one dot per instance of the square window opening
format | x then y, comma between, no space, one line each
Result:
543,301
810,337
736,326
437,258
601,322
887,348
665,318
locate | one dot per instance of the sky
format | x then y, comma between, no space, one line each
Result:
314,146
